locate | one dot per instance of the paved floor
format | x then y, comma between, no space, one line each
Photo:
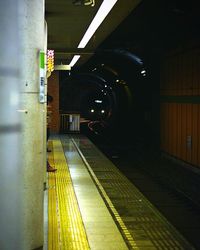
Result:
160,180
78,216
112,212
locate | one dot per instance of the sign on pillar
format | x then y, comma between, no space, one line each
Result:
42,77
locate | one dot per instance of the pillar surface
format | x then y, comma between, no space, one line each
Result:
33,38
10,172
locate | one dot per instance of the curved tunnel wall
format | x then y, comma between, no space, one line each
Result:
113,94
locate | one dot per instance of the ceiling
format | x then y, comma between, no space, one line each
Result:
67,24
157,25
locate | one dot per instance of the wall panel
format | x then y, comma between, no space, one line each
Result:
180,106
53,90
195,128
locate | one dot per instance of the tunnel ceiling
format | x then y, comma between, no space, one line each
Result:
68,22
137,25
157,25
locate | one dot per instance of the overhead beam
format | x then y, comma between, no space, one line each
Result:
62,67
74,52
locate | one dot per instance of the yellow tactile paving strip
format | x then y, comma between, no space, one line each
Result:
65,226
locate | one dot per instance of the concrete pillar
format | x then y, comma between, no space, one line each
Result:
10,172
31,31
45,112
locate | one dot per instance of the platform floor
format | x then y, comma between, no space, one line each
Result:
92,205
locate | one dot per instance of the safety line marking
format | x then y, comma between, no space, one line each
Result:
125,232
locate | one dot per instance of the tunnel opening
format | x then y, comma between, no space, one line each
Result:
113,97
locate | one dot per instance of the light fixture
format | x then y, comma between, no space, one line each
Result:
101,14
89,2
92,110
102,111
74,60
98,101
84,2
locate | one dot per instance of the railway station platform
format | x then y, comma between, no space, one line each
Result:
90,204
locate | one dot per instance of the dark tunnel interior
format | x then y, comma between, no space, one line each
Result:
113,102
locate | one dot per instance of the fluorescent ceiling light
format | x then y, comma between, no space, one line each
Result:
101,14
74,60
